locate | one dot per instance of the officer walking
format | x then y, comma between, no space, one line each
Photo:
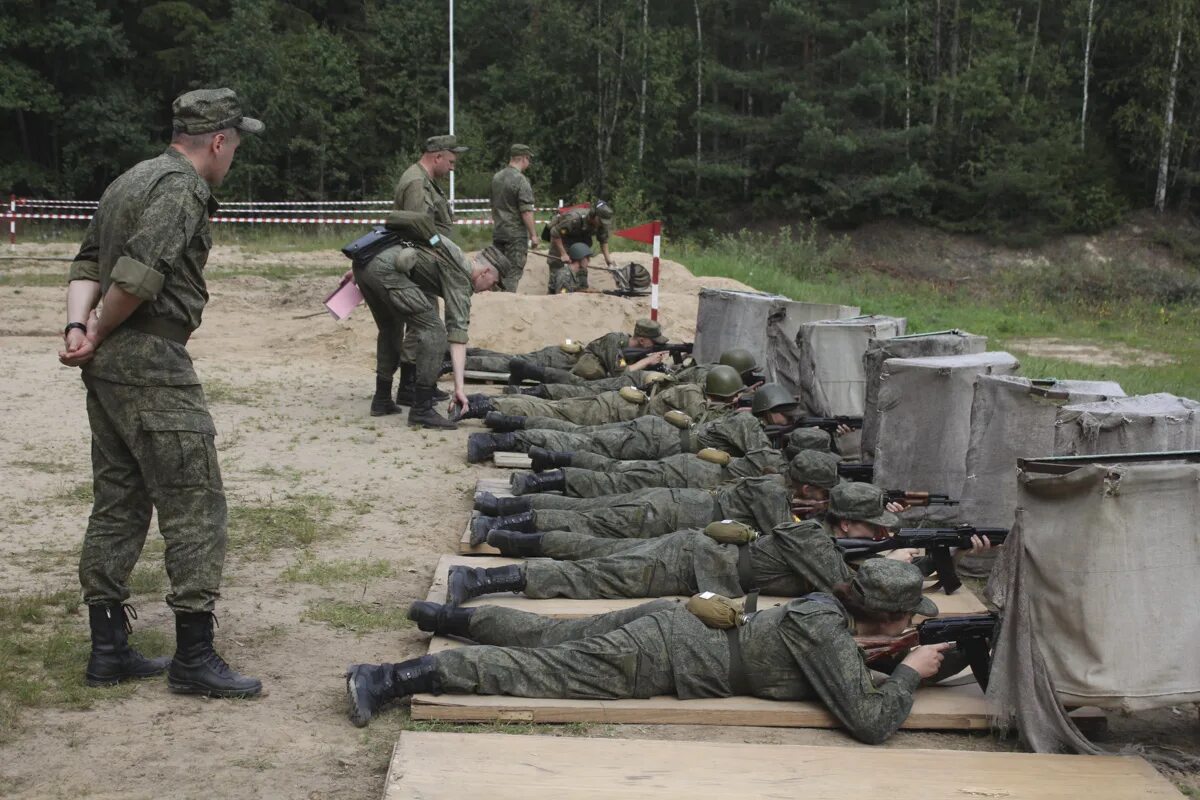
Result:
142,260
513,232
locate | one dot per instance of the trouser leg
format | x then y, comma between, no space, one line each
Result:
509,627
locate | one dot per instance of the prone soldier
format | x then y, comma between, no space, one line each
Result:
599,358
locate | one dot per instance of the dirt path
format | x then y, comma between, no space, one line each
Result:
337,521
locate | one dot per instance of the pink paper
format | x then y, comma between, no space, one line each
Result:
344,299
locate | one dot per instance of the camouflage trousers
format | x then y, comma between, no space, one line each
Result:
593,476
152,449
517,252
583,567
410,329
491,361
641,515
641,438
558,387
607,407
637,653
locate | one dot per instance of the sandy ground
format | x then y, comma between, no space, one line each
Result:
290,396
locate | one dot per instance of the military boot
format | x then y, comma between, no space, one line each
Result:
408,384
197,669
544,459
371,686
504,423
482,446
381,403
535,482
516,544
521,370
482,525
464,583
424,414
478,405
488,503
112,659
529,391
442,620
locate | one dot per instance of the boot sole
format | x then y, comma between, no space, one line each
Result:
195,688
357,718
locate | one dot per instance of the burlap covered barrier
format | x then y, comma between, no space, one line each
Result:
1147,423
925,422
765,324
1098,593
914,345
832,380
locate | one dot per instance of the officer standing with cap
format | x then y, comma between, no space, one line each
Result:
142,260
418,190
578,225
513,232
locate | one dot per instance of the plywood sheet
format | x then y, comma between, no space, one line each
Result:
569,768
512,460
481,376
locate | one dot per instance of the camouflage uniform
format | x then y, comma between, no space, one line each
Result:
492,361
612,407
567,281
571,227
645,437
600,358
511,196
152,435
417,191
762,503
401,286
804,650
591,475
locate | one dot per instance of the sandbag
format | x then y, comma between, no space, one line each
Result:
832,380
914,345
1150,423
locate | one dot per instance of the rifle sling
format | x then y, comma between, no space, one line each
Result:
687,442
738,683
745,570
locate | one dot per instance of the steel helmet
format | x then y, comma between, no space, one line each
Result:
772,397
579,251
741,360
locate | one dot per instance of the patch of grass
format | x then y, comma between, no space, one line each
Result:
33,278
328,573
358,617
50,467
277,272
295,521
78,494
148,578
217,391
289,474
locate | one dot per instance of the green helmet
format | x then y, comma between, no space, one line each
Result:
772,397
723,381
579,251
741,360
602,210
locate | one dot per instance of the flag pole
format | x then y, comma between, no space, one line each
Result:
656,250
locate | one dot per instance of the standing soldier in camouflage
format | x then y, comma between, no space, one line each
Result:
579,225
513,232
142,260
418,189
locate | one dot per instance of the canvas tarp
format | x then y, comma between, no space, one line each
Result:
916,345
925,421
1098,594
765,324
1148,423
832,380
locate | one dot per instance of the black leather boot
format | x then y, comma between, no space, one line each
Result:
405,392
516,544
482,446
381,403
371,686
423,413
464,583
441,619
521,370
481,525
112,659
503,423
197,669
544,459
487,503
478,405
534,482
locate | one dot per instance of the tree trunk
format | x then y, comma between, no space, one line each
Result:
1037,24
937,60
699,87
953,61
642,109
907,84
601,166
1087,66
1164,158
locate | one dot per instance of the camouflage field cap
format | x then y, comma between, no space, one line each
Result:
520,150
207,110
602,210
436,144
810,439
861,502
884,584
579,251
649,329
497,259
814,468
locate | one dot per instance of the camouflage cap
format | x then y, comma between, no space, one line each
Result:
814,468
810,439
495,256
602,210
520,150
436,144
885,584
649,329
208,110
579,251
861,502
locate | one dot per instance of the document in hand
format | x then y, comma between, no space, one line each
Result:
344,299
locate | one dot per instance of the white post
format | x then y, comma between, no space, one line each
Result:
656,251
451,96
12,222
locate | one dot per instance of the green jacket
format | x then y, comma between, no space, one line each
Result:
572,226
416,191
448,277
511,196
150,236
564,281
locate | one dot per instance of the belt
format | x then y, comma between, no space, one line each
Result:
745,570
738,682
158,326
687,442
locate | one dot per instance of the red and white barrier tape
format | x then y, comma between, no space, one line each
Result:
13,216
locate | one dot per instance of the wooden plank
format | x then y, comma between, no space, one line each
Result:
569,768
960,603
499,487
508,460
466,549
481,376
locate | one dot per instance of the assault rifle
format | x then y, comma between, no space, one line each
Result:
857,472
778,433
936,542
918,499
971,634
678,351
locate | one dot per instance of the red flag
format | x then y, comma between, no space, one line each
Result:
642,233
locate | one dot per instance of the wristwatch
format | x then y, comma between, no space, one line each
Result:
73,325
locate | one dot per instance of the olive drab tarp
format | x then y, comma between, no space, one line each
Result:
1149,423
831,361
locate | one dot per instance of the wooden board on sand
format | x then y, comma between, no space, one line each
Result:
481,376
573,768
508,460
